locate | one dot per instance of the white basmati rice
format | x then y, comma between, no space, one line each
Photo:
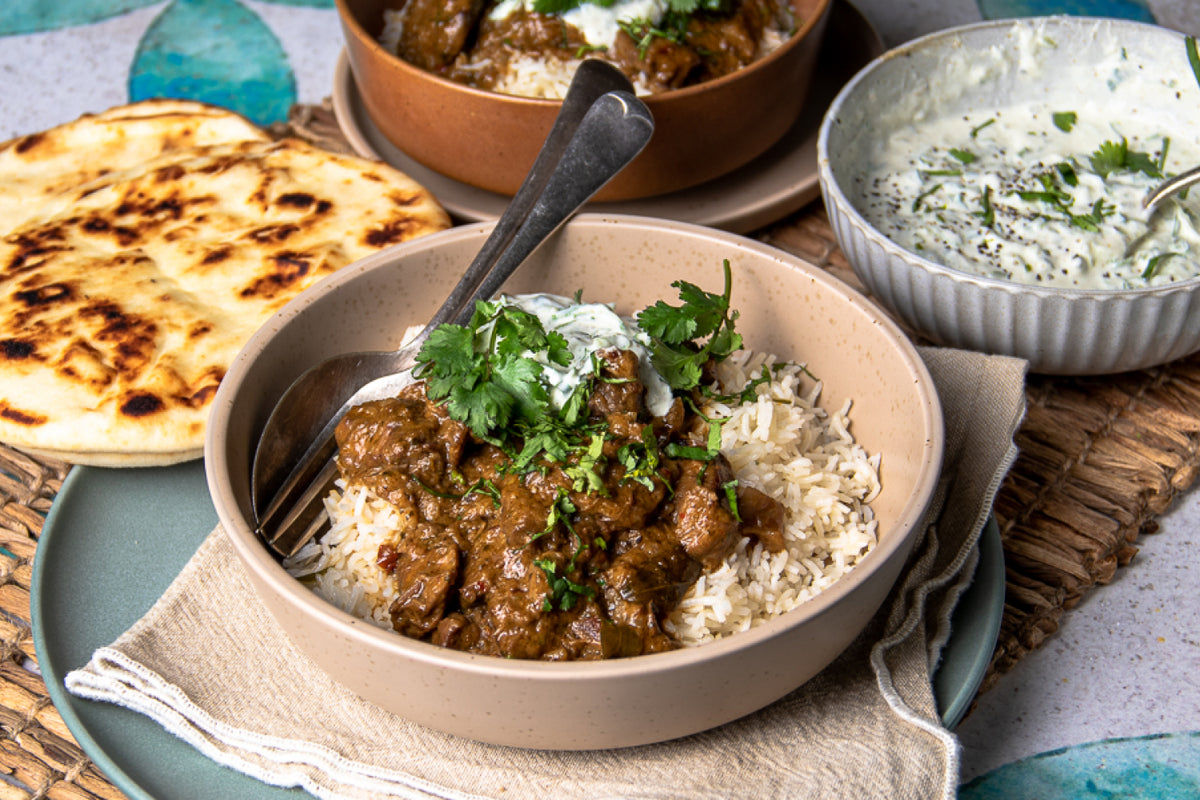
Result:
788,447
783,444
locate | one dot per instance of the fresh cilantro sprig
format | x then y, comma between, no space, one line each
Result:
564,592
1113,157
484,371
676,332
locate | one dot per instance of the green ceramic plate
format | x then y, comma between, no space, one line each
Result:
115,539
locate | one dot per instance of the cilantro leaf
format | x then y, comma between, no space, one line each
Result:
1065,120
668,323
676,354
481,408
1193,56
449,355
1067,171
1113,157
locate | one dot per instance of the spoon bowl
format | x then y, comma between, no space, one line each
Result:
1171,186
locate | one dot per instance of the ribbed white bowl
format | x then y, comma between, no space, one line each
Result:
1059,331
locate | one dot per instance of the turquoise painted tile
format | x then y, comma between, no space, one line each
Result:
1118,9
1159,767
216,51
38,16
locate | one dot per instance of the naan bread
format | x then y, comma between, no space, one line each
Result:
123,303
37,169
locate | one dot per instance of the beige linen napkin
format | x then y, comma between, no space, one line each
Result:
210,665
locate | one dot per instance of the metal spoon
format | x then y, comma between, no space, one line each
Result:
602,126
1171,186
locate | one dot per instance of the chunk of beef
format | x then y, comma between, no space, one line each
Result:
703,522
660,63
435,32
406,433
618,389
425,568
762,517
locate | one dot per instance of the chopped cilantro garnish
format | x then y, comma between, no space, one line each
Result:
564,592
675,330
975,131
965,156
1091,221
1152,264
675,6
916,206
986,214
489,376
1193,56
1054,195
1113,157
641,459
1065,120
1050,193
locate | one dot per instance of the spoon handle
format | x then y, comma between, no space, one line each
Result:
1172,185
593,79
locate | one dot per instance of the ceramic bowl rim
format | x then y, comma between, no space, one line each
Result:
255,556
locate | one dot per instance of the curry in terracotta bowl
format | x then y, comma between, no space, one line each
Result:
471,90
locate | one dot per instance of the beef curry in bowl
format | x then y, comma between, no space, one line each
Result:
506,586
718,101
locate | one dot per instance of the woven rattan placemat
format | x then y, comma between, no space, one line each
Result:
1100,459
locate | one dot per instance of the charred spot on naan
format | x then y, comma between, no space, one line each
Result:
287,269
17,349
303,201
29,144
141,404
31,248
28,419
273,234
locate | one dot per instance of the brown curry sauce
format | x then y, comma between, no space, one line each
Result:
529,565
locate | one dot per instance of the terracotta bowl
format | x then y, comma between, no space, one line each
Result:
787,307
489,140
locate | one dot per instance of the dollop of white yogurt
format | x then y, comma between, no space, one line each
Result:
591,328
598,24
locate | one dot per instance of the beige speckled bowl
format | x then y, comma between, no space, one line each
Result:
787,306
489,140
1058,331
